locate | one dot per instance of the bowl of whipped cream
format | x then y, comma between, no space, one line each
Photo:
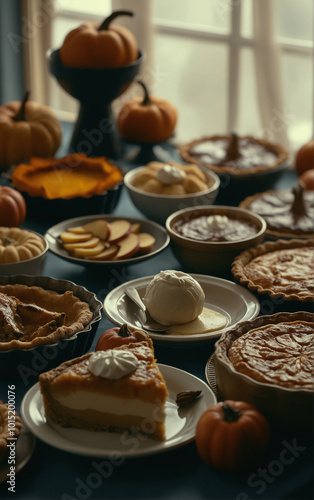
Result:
159,189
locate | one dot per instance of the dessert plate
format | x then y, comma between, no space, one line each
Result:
233,301
158,232
180,423
24,450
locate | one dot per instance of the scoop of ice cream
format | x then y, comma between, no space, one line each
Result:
174,297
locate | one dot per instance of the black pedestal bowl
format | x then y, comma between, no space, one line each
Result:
95,132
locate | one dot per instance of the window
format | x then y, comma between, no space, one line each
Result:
204,61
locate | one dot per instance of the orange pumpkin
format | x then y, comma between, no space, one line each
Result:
115,337
304,159
91,45
148,120
307,178
12,207
232,436
27,129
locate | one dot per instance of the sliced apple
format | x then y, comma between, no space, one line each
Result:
128,246
99,228
136,227
146,242
77,230
107,254
119,229
87,252
92,242
67,237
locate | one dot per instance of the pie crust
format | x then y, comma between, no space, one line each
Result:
72,379
6,432
271,367
289,213
31,316
282,268
276,155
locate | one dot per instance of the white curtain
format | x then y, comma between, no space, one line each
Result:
268,74
37,16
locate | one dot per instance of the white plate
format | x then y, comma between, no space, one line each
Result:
160,234
235,302
180,423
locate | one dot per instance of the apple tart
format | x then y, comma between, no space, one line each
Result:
31,316
234,155
282,268
289,213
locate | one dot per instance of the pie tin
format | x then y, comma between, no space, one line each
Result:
27,364
290,408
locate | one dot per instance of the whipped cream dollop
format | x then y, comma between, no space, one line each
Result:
217,222
112,364
169,174
174,297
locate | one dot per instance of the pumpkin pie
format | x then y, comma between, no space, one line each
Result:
117,390
268,361
234,155
75,175
282,268
10,428
33,316
289,213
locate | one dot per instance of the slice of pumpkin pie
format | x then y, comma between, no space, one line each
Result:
117,390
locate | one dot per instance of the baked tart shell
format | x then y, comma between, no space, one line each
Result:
299,289
292,408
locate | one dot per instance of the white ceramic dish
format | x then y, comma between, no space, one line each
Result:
180,423
158,207
223,296
159,233
34,266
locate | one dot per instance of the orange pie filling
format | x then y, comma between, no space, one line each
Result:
75,397
280,354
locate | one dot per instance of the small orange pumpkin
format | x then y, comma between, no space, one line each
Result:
12,207
91,45
232,436
148,120
115,337
27,129
304,159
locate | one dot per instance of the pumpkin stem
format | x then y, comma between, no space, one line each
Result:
146,101
298,205
233,152
230,414
105,24
20,115
124,331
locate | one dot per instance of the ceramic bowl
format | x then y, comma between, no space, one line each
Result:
158,207
212,257
292,408
28,363
34,266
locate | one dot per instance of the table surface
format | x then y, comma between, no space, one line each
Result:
52,473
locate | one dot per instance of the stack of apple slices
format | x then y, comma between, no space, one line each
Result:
102,240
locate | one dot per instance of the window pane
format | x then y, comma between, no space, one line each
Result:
215,14
294,19
101,7
298,94
194,78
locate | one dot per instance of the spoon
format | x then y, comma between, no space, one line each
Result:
148,324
